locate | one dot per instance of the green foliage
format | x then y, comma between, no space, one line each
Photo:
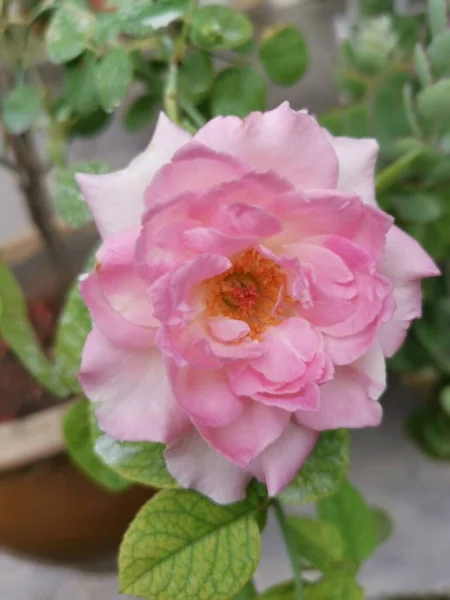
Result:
143,18
252,92
422,66
433,104
383,525
389,118
319,542
80,87
68,33
140,462
219,27
281,591
284,54
21,108
348,511
196,76
20,336
181,543
77,435
335,586
69,200
323,472
73,327
113,76
437,15
417,207
439,55
429,426
141,113
248,592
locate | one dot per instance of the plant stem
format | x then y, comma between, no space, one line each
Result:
291,548
395,172
171,93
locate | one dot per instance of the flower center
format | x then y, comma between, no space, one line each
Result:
248,291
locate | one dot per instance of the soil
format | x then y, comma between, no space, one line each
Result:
20,394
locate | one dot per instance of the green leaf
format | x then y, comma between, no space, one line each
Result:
444,399
349,512
323,472
113,75
319,542
68,32
183,545
383,525
69,200
389,120
20,336
196,76
142,18
73,327
439,54
107,28
437,342
21,108
281,591
248,592
141,113
422,66
432,102
91,124
429,426
284,54
437,16
140,462
220,27
335,586
77,435
251,97
418,207
80,87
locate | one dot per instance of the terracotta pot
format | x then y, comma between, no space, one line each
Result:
47,507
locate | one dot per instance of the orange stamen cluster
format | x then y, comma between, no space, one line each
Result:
248,291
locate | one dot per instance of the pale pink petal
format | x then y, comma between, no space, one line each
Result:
205,395
194,168
281,461
308,398
286,349
283,140
373,366
256,428
207,239
197,466
116,297
243,219
344,402
227,330
131,392
404,259
408,300
262,189
357,159
116,200
171,294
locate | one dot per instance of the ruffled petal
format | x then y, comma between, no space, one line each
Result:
291,143
131,392
256,428
116,200
197,466
344,402
357,159
280,462
205,395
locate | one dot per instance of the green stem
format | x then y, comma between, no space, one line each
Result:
395,172
171,92
291,548
192,112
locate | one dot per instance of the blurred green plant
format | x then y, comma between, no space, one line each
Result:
393,74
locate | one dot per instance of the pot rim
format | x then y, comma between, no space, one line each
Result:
32,438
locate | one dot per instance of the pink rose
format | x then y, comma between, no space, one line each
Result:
246,294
